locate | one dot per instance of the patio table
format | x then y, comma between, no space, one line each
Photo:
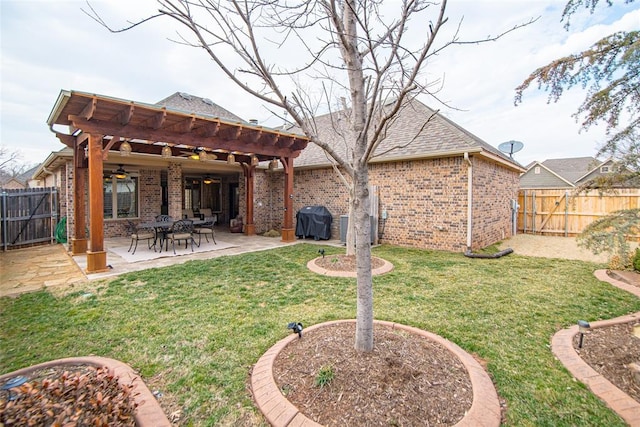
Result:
161,228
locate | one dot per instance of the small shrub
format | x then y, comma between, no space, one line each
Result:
324,376
636,260
271,233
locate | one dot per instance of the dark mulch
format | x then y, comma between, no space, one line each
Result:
406,380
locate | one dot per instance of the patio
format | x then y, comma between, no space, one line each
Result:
32,269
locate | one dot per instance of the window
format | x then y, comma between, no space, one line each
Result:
203,193
604,169
120,197
536,170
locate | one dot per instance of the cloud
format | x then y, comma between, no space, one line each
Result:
48,46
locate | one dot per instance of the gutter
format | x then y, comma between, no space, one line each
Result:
469,198
62,100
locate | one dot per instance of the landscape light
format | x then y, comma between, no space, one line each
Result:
296,328
584,328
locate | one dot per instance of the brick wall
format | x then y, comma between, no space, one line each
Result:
149,203
493,190
425,200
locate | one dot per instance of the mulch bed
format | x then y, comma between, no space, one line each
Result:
609,350
345,262
68,396
406,380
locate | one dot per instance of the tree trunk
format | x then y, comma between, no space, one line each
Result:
364,308
351,229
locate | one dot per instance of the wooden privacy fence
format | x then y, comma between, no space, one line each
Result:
28,216
563,213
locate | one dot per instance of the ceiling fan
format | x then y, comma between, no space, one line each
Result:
198,153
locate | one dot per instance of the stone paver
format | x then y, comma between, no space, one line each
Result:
35,268
562,347
279,412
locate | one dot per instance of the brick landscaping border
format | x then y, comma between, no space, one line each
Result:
562,346
279,412
148,413
311,265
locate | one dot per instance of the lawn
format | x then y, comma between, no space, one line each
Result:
194,330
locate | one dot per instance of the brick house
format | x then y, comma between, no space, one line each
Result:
440,187
431,177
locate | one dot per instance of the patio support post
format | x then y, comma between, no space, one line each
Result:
288,231
174,182
96,256
249,176
79,239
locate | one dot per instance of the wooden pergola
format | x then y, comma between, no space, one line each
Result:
98,124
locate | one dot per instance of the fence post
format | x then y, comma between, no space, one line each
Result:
566,214
4,221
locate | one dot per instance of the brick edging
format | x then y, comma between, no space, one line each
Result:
148,413
562,347
311,265
279,412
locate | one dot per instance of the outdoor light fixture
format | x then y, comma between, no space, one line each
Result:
207,180
273,164
120,173
125,149
254,161
584,328
231,158
321,252
166,152
296,328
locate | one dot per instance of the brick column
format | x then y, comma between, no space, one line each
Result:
174,187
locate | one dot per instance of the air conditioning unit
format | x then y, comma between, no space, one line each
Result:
344,225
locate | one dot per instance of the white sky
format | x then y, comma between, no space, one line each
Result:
51,45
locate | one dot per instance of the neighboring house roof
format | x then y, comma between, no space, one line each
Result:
572,169
187,103
564,173
408,137
19,181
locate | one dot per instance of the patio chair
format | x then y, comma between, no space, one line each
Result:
163,218
235,225
206,213
206,229
140,233
181,230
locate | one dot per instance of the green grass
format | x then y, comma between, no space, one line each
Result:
194,330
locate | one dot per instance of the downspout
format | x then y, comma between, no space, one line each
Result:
469,199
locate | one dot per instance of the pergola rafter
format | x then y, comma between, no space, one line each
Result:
98,124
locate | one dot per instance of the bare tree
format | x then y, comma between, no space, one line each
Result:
10,166
361,57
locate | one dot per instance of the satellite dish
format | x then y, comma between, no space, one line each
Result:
510,147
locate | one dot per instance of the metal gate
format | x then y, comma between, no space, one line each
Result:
28,216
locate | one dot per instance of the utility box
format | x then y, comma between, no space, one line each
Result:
344,225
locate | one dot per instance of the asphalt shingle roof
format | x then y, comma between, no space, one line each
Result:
571,169
187,103
409,136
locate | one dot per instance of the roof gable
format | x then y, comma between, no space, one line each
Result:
540,176
187,103
572,169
